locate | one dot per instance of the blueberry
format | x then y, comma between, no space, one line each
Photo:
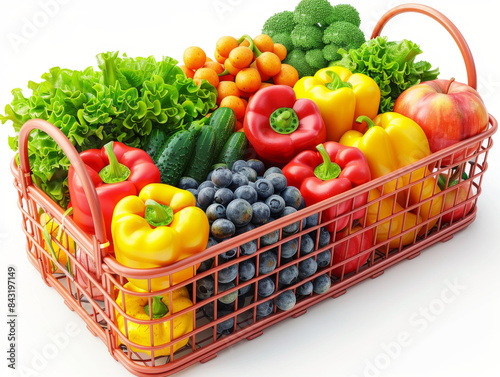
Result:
205,184
306,245
276,204
267,262
205,265
240,212
288,275
249,173
261,213
324,237
264,188
307,268
225,327
324,258
247,270
187,183
322,284
228,255
272,170
238,181
215,211
248,248
244,229
222,228
206,196
270,238
223,196
292,197
265,287
265,309
205,287
222,310
222,177
247,193
227,274
256,165
209,176
302,204
286,300
278,181
243,291
289,248
291,228
251,184
312,220
230,297
238,165
305,289
195,192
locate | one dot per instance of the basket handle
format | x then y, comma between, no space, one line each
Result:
445,22
77,163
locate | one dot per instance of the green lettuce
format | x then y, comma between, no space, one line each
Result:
123,101
391,64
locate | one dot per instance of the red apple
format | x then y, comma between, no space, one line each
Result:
447,111
453,198
357,244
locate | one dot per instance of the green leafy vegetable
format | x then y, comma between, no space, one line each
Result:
391,64
123,101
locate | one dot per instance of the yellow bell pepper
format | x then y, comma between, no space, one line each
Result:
52,229
393,141
157,228
138,307
341,98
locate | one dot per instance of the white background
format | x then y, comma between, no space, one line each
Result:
339,337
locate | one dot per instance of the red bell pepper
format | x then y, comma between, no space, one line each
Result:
117,171
362,241
279,126
331,171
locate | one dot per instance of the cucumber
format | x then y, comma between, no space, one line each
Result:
201,161
156,143
235,149
176,154
223,121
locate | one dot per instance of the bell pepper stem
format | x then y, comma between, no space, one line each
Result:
284,120
364,118
336,82
159,309
114,172
328,169
157,214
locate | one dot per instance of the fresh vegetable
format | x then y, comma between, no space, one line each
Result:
461,191
223,121
347,249
341,98
345,12
297,59
391,64
157,228
116,171
138,307
393,141
235,149
316,59
124,101
447,111
313,12
174,158
201,161
332,170
278,125
280,23
343,34
307,37
53,232
155,144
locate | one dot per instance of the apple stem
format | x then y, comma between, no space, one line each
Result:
449,85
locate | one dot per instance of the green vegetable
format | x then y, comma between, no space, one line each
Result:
297,58
235,149
307,37
156,142
313,12
124,101
330,52
223,121
344,35
316,59
204,151
176,154
278,24
284,39
391,64
345,12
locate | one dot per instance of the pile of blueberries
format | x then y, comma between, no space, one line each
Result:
237,201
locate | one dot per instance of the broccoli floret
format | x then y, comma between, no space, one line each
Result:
344,34
313,12
297,59
345,12
330,52
285,39
307,37
316,59
279,23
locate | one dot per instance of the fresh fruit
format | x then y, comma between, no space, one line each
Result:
264,188
307,267
322,284
276,205
289,248
225,45
222,228
241,57
261,213
222,177
223,196
287,75
226,89
264,309
286,300
246,193
239,211
249,173
267,262
292,197
227,274
288,275
236,104
206,74
206,196
205,288
248,80
256,165
215,211
186,183
278,181
305,289
194,58
246,270
265,287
